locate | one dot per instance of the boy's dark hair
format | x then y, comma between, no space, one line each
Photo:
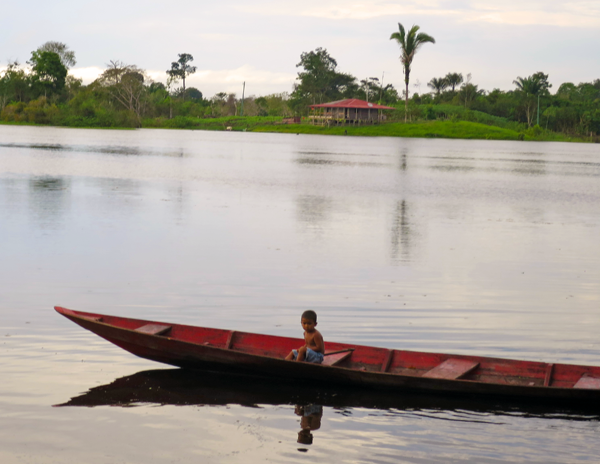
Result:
310,315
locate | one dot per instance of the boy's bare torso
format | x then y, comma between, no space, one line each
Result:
314,340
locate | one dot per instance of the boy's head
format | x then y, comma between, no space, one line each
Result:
309,321
310,315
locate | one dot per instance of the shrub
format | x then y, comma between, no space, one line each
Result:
13,112
536,130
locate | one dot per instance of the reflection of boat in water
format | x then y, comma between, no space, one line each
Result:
182,387
346,365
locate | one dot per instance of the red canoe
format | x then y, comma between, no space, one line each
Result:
365,366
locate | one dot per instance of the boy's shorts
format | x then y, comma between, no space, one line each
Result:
311,356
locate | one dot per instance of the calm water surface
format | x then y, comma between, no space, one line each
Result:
471,247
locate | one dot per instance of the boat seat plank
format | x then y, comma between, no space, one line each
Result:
451,369
548,377
229,342
153,329
587,381
387,361
335,358
90,318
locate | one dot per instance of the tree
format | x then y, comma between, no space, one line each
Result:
157,87
232,105
67,57
534,84
14,84
531,87
320,81
438,84
454,79
169,87
126,85
193,94
72,86
368,87
319,71
409,44
217,106
48,72
468,92
181,68
389,95
384,95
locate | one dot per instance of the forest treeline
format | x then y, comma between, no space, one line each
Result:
43,92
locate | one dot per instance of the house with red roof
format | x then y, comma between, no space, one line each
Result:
349,111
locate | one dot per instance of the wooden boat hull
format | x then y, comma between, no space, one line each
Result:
241,352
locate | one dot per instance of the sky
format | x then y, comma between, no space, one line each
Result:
260,41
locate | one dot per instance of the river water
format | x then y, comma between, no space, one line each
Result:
471,247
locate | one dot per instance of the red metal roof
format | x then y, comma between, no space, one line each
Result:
353,103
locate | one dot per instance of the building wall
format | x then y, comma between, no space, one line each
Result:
352,114
347,114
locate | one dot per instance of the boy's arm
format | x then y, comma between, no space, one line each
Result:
319,343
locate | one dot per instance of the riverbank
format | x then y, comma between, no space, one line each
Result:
439,128
423,129
448,129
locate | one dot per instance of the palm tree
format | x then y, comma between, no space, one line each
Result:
468,92
531,87
439,84
409,44
454,79
527,85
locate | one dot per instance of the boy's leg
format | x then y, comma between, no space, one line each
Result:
301,354
290,357
313,356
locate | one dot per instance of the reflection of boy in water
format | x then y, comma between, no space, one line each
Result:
313,348
311,420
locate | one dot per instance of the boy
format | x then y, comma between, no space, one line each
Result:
314,347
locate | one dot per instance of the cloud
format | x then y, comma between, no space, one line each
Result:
88,74
578,13
551,13
211,81
358,11
258,81
337,9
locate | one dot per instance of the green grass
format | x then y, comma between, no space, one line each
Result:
454,112
190,122
21,123
18,123
424,129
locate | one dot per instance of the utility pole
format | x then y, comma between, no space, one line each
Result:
381,89
243,91
538,112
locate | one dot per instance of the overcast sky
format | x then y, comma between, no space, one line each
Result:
260,41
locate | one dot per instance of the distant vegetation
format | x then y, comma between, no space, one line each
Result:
43,92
